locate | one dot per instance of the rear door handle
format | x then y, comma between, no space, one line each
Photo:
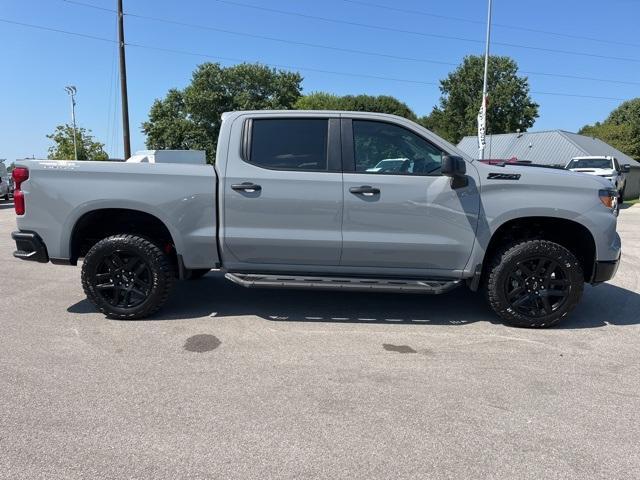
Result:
246,187
366,190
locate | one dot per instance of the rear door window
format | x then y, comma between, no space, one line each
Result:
289,143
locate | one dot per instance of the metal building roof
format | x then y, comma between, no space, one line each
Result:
553,147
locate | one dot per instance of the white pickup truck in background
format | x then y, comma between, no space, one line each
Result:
602,166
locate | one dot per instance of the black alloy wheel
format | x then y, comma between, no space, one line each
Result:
537,286
534,283
123,279
127,277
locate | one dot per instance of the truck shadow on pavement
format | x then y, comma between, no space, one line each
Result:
213,296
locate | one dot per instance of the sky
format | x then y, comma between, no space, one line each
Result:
584,38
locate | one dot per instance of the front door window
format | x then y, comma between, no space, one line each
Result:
384,148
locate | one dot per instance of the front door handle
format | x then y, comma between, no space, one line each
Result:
246,187
366,190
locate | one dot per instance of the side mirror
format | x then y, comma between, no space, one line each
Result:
625,168
453,166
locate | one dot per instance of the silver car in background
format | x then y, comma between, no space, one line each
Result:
5,182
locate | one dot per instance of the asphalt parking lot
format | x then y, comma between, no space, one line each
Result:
229,383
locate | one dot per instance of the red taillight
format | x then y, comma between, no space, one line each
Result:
19,174
18,202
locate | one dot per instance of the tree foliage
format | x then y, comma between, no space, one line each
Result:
63,148
509,108
190,118
621,129
357,103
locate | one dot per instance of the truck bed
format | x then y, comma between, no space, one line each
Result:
183,197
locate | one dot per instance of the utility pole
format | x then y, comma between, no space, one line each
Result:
123,84
71,91
482,116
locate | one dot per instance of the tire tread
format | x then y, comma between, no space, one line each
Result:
508,254
158,258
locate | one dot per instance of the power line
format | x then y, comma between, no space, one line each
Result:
578,77
290,42
422,34
558,94
276,65
290,67
494,24
49,29
294,67
91,5
342,49
230,59
359,52
436,15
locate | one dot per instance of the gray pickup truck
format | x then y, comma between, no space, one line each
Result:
295,200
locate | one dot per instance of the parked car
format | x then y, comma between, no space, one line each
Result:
292,203
388,165
605,167
5,182
4,189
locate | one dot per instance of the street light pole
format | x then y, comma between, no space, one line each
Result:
482,116
71,91
123,84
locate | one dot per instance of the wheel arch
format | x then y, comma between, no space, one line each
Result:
96,224
572,235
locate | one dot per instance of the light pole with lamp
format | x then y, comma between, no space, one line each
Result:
71,91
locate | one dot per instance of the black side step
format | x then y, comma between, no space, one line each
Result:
431,286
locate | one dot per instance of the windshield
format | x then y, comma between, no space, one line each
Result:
590,163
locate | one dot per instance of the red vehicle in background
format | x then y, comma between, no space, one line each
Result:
511,161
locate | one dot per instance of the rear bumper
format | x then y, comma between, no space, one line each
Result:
29,246
604,271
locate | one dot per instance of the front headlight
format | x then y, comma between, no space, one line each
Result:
609,198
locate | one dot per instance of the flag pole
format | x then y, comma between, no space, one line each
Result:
482,116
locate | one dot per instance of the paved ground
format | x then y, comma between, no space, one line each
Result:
231,383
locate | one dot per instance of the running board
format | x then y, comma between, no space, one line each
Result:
432,286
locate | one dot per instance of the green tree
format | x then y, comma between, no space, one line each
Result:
319,101
509,108
190,118
621,129
357,103
627,113
63,149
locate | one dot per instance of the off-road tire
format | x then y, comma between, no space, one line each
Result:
158,269
507,261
